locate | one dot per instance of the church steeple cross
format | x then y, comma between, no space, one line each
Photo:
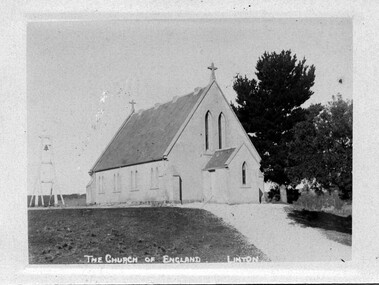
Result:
212,68
132,103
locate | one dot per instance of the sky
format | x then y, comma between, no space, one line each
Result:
81,75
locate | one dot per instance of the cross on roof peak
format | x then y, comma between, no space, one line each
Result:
132,103
212,68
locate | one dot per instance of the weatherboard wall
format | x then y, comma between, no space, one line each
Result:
129,190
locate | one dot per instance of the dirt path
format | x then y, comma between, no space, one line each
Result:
269,229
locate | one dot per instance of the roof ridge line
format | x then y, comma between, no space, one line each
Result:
172,100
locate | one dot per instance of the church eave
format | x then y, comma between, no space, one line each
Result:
214,168
127,165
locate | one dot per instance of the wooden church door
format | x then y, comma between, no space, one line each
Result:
213,184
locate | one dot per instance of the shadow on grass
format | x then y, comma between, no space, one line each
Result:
322,220
334,227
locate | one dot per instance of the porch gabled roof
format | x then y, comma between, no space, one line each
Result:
219,159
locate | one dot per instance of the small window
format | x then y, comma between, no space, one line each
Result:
152,184
131,180
136,180
156,178
117,182
244,173
114,182
101,185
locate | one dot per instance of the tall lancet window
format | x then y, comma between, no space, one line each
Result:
136,180
244,173
221,131
208,130
131,180
152,184
156,177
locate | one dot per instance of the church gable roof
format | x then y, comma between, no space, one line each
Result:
219,159
145,135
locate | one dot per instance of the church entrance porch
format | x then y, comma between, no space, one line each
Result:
215,185
178,189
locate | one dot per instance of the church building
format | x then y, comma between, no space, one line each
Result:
192,148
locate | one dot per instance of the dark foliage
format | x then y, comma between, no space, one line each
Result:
274,194
322,146
269,107
292,195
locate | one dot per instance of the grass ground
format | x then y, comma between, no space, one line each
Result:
66,235
334,227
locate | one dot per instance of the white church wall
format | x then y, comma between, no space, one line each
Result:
143,182
235,134
91,191
189,155
206,180
238,192
186,159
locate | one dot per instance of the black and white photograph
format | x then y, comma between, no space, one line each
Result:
196,146
187,141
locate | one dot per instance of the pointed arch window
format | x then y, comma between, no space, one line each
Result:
244,167
208,130
221,131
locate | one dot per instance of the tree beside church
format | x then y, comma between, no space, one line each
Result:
270,106
322,148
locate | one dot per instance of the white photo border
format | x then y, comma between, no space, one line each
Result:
14,243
